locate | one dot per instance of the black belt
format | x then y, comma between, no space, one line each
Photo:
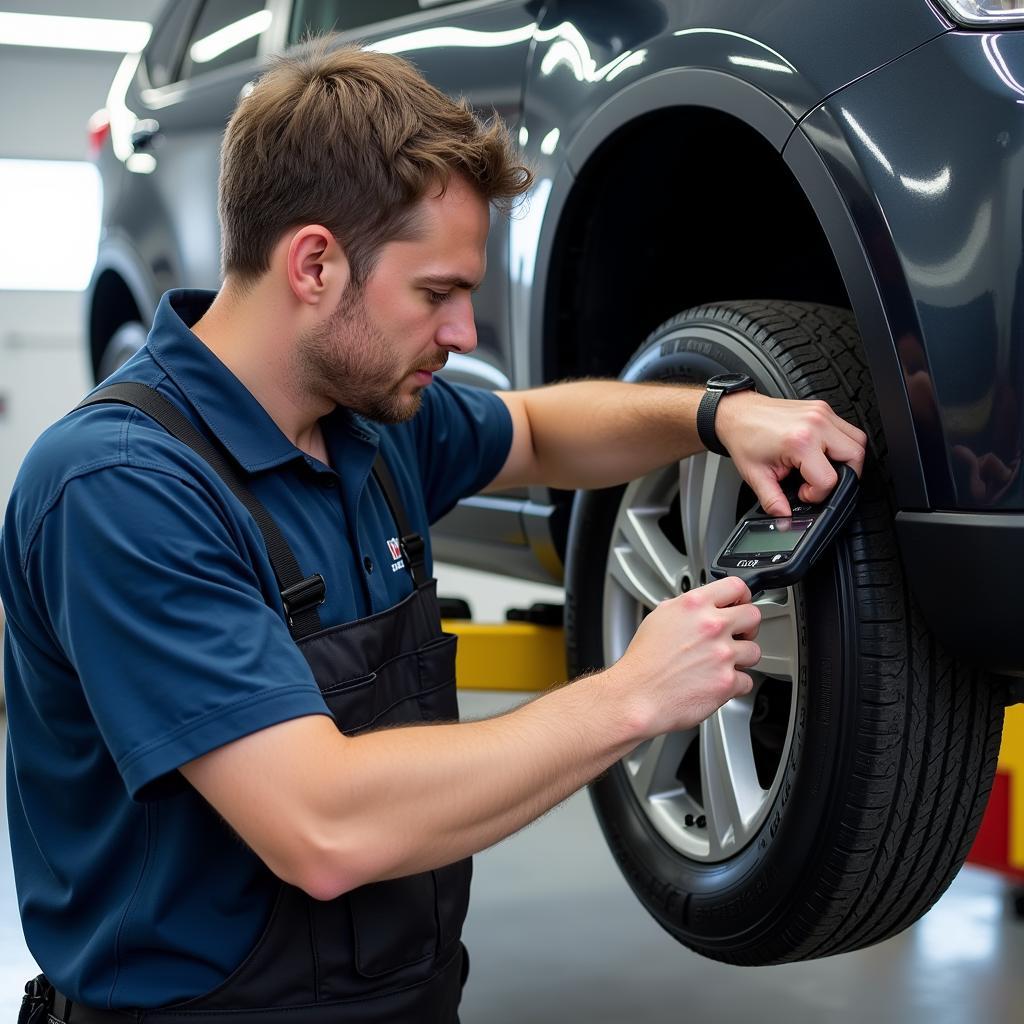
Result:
43,1004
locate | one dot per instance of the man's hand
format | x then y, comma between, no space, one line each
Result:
686,659
769,437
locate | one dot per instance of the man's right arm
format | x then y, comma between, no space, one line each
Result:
329,813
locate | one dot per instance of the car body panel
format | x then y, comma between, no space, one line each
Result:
963,569
860,251
932,178
585,52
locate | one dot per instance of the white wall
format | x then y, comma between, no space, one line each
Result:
43,371
46,99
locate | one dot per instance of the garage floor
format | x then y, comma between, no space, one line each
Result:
556,937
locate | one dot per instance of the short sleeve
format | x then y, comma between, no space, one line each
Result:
463,437
151,595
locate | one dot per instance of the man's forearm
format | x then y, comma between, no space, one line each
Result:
591,434
419,797
336,812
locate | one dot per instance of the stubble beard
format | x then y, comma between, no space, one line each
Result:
348,360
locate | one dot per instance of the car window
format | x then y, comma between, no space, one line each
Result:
164,49
313,17
226,32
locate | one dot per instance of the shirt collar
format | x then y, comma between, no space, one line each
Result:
226,405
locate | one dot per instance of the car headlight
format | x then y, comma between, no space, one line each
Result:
984,13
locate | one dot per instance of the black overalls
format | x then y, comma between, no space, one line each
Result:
389,951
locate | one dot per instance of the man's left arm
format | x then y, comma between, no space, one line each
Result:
595,433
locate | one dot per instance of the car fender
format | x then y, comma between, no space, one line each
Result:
716,90
118,255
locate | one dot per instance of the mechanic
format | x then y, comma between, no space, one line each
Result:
219,599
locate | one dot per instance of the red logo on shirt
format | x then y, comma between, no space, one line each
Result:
395,548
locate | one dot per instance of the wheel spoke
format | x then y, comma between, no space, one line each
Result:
654,765
633,576
777,636
708,487
643,560
645,536
732,794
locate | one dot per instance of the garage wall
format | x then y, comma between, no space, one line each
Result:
47,98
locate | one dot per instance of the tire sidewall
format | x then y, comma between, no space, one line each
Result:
720,907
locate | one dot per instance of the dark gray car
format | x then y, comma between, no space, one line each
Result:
827,196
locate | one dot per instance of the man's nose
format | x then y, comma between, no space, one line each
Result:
458,332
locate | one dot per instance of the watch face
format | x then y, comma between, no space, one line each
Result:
729,381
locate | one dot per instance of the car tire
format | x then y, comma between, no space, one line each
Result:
834,805
123,344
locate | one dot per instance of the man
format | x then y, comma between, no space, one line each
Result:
219,608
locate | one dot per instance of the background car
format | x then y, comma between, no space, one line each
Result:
826,197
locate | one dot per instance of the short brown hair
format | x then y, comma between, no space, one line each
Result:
351,139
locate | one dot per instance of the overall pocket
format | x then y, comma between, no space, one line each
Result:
417,686
394,923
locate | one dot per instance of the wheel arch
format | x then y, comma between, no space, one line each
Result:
118,293
731,158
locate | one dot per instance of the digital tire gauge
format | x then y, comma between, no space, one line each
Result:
770,552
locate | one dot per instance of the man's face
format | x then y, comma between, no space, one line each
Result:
378,349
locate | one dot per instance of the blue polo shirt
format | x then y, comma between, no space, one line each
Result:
145,628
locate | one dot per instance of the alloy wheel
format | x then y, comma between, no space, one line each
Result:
706,790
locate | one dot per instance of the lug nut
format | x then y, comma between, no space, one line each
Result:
688,821
702,822
685,585
703,577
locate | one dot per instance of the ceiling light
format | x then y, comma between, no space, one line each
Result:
73,33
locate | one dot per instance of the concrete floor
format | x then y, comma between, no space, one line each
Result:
556,937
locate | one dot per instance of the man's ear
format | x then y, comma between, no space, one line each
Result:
318,269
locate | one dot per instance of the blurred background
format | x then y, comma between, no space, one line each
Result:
49,206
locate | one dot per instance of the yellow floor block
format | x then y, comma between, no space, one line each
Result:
508,655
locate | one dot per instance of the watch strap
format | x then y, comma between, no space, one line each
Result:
706,411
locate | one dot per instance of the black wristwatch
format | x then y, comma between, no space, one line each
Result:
722,384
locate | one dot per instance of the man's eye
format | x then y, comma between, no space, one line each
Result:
438,297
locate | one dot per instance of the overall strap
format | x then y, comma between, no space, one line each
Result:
413,548
300,595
